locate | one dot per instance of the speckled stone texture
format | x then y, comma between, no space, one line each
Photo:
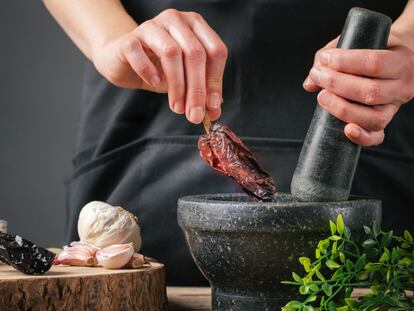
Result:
328,159
245,249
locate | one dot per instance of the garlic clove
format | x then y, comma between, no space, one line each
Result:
115,256
101,225
77,254
137,260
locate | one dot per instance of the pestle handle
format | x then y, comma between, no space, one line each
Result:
328,159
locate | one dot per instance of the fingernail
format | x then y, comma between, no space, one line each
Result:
307,82
324,58
315,74
214,101
325,99
319,75
155,81
354,132
178,108
196,114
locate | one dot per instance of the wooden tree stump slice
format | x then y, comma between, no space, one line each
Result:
84,288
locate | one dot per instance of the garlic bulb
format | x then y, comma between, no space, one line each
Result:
115,256
101,224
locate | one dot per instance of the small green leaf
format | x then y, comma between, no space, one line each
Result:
327,289
389,273
311,298
371,252
320,276
305,261
340,224
317,253
332,306
368,230
332,264
373,268
304,289
363,276
313,287
408,236
369,243
384,258
348,292
360,262
349,265
342,257
308,308
334,248
333,227
294,304
386,250
344,308
405,261
351,302
405,245
394,255
335,238
338,273
297,278
386,239
347,233
376,229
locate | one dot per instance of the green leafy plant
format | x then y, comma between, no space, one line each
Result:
384,263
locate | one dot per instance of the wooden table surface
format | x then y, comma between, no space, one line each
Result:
198,298
189,298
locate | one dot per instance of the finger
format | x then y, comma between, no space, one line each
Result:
384,64
216,58
194,65
308,84
360,89
169,52
135,55
372,118
362,137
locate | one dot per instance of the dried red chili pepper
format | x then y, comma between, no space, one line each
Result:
225,152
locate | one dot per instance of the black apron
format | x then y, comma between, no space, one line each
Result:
134,152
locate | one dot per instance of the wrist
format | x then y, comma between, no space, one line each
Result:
119,26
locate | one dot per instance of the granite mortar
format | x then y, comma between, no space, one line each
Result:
245,249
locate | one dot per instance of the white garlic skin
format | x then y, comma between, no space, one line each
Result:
115,256
101,224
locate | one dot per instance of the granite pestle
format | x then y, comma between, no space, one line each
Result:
328,159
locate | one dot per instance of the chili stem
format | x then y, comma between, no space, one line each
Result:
207,123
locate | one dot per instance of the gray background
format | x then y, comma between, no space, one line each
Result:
40,83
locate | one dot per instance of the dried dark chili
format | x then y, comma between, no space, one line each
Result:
225,152
24,255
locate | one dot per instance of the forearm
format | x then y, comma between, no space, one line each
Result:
404,25
91,23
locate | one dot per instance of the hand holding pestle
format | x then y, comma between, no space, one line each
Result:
328,159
